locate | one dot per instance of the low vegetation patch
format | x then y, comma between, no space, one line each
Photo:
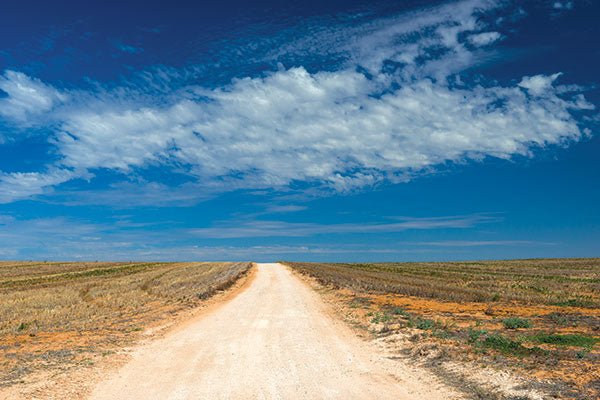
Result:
516,323
475,334
563,340
424,324
575,303
508,346
381,317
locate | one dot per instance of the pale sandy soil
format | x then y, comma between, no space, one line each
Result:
275,340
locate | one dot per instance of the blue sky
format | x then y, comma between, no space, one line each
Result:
340,130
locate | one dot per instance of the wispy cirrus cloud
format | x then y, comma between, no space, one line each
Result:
484,38
128,48
480,243
26,184
263,228
393,105
61,238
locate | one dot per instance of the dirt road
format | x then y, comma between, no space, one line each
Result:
275,340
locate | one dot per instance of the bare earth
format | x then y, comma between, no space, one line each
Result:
275,340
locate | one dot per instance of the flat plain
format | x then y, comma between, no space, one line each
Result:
521,329
539,318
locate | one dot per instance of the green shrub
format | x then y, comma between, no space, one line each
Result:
381,318
425,324
581,354
398,311
475,334
442,334
516,323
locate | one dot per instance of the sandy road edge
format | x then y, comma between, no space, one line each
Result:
78,383
410,375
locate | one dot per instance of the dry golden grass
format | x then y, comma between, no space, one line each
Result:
540,317
57,314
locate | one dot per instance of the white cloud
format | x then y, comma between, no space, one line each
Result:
563,5
19,185
485,38
538,84
26,97
343,129
331,128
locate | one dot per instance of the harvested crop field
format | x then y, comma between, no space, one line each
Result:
538,318
60,315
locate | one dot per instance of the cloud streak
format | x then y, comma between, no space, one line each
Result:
261,228
480,243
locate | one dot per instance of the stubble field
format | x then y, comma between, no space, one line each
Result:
539,318
55,316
